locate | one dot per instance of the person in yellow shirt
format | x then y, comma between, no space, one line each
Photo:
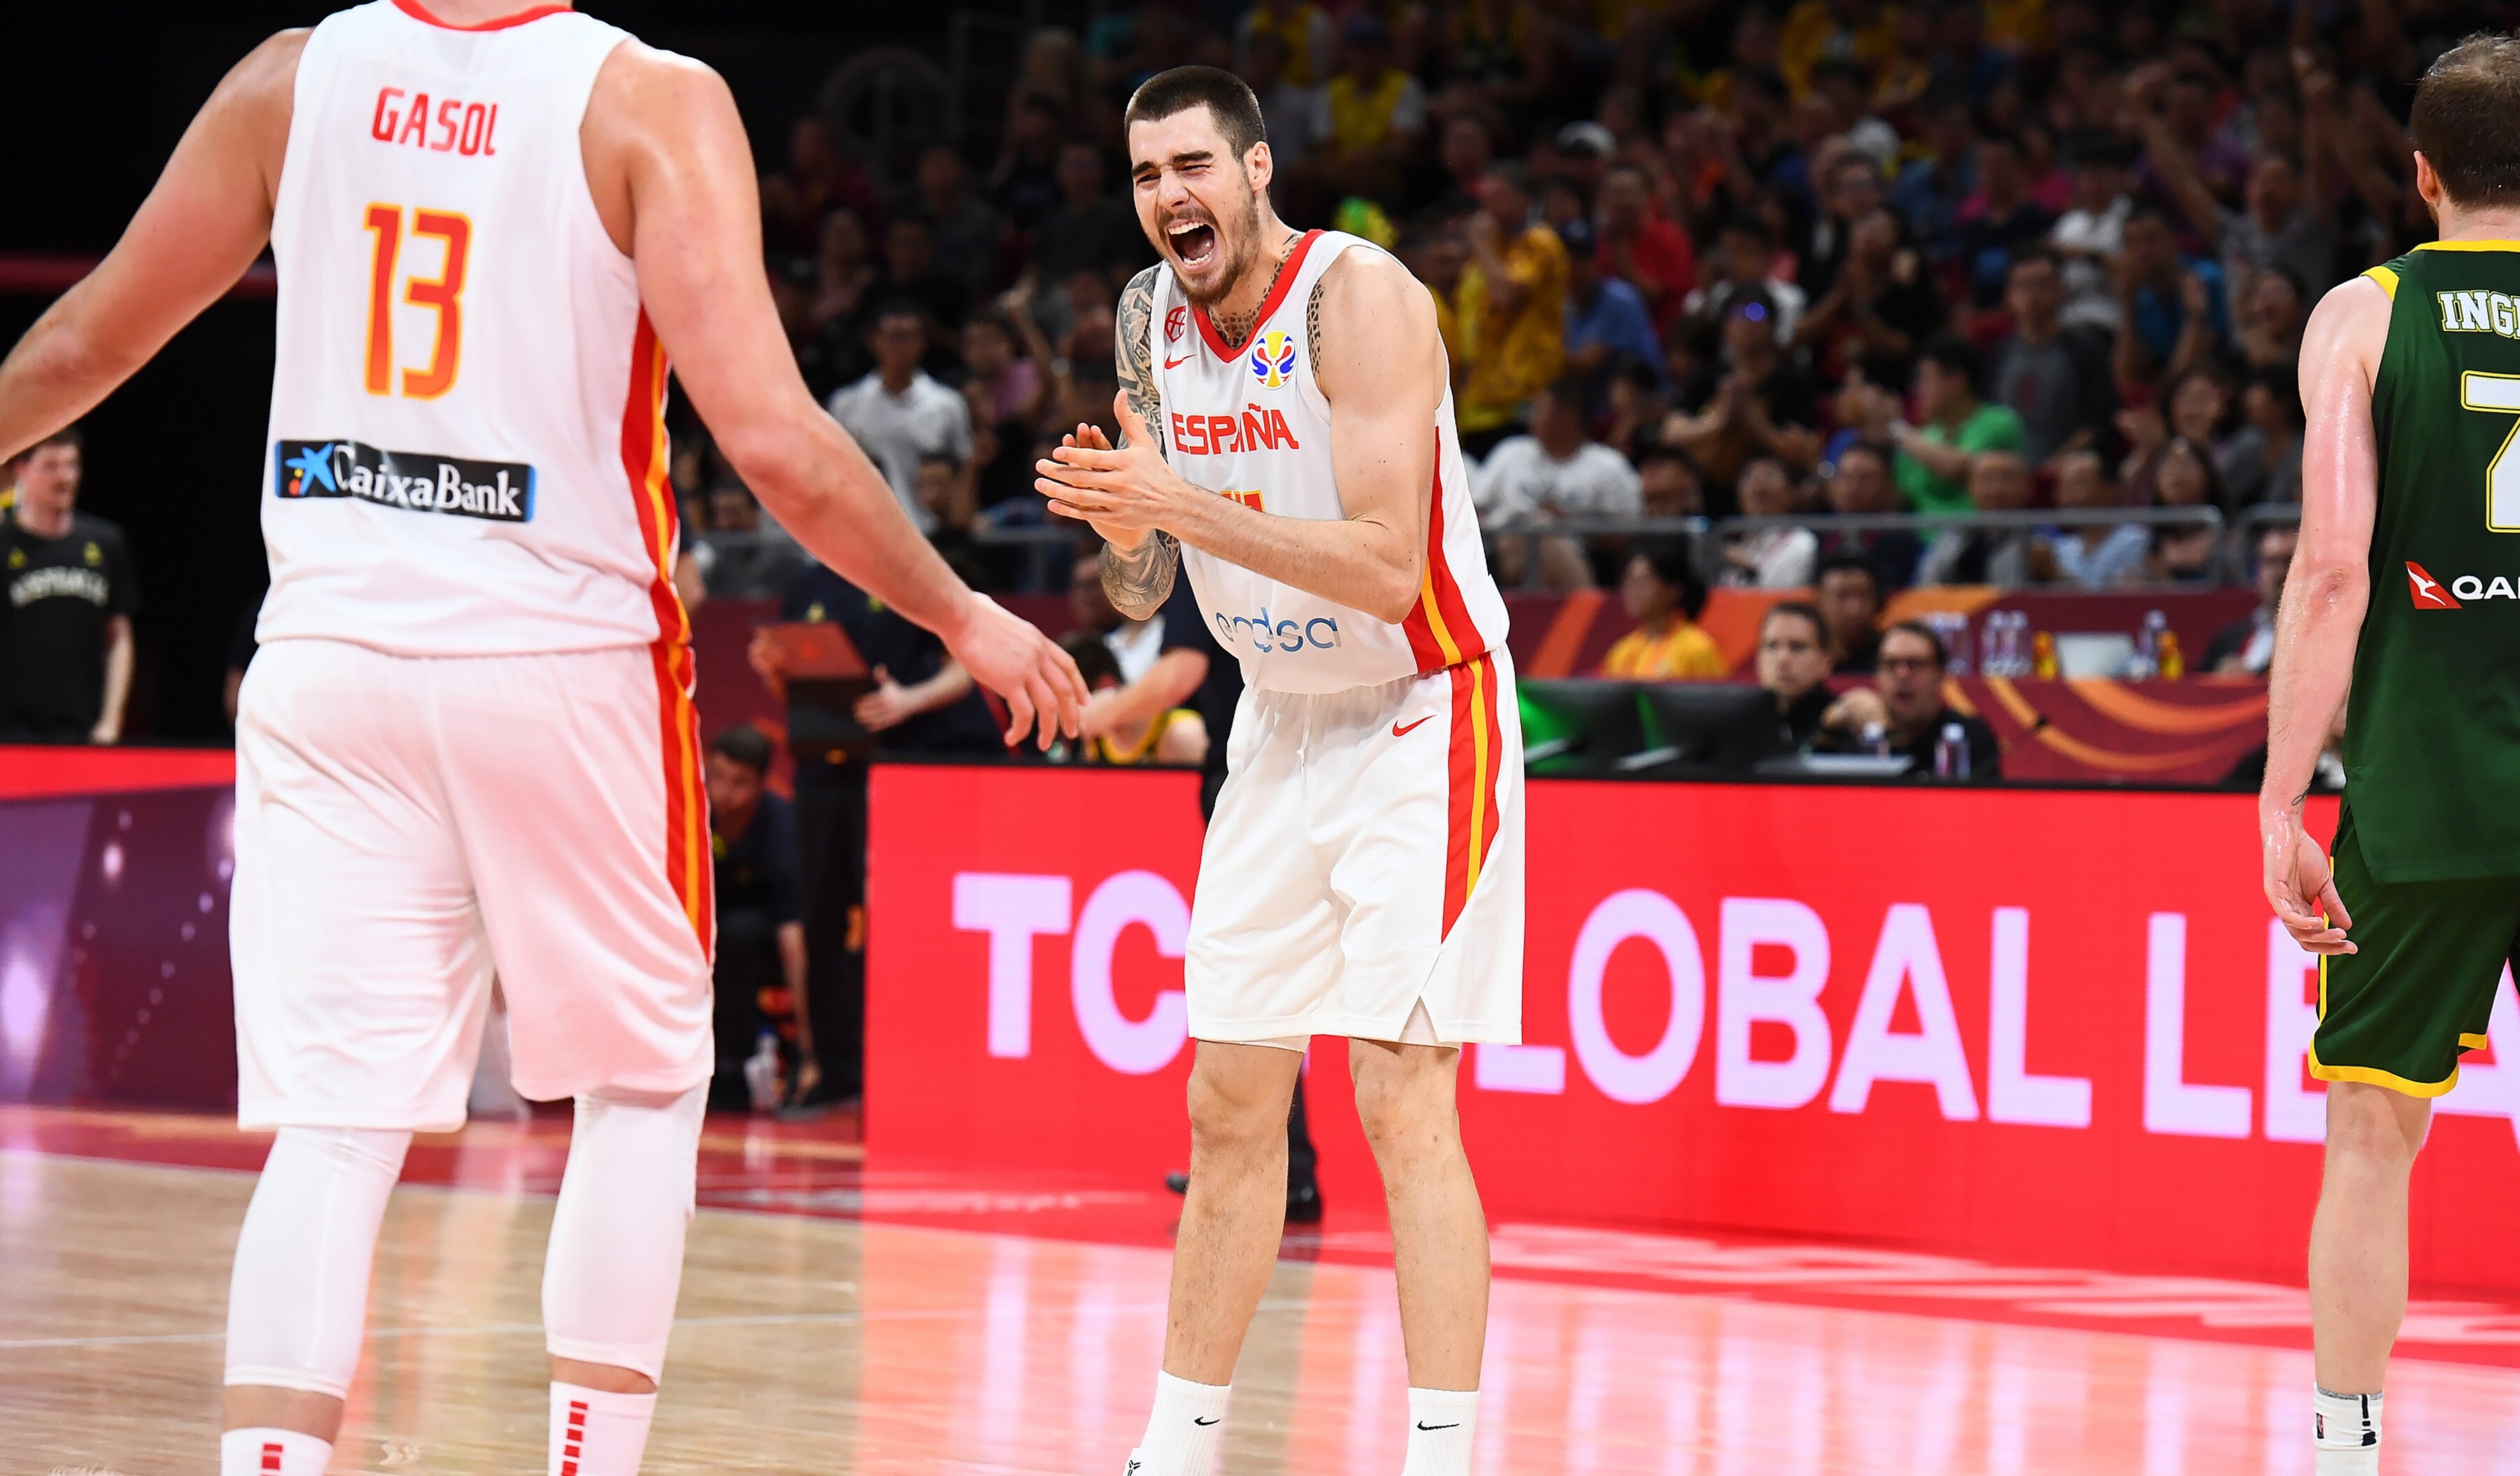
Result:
1509,312
1663,593
1816,30
1371,113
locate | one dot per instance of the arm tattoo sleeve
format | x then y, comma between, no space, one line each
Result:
1134,353
1139,580
1313,325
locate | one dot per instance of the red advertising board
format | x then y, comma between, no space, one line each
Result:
2048,1025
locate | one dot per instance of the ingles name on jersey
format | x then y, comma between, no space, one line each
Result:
2479,312
1255,429
1273,358
502,492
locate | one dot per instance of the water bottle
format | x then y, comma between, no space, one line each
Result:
2003,647
2147,646
761,1073
1876,740
1954,628
1951,752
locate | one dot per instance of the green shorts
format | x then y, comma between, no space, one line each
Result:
2419,990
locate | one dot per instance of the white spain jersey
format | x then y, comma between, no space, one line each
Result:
1252,425
466,453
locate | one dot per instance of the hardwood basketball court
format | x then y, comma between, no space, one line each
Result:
835,1320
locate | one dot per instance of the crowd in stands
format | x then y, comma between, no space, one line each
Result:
1692,260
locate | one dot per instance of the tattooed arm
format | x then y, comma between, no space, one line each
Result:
1138,575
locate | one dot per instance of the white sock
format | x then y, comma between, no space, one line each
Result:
1441,1422
1184,1431
261,1450
2347,1429
594,1433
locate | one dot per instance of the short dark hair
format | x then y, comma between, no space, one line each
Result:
2465,119
896,308
1926,633
1664,451
1953,353
1674,561
1510,173
1227,98
744,744
1873,448
1850,561
68,436
2032,255
1094,660
1801,610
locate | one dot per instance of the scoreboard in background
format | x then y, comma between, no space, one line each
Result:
2037,1024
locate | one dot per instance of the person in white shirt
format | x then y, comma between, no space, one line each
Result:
1771,558
2089,237
1557,471
901,416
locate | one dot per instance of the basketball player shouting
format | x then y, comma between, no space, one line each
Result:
1290,438
2410,374
467,745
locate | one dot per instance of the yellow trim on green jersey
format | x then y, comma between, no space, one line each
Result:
2372,1076
2387,279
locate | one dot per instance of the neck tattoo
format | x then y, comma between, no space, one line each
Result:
1234,328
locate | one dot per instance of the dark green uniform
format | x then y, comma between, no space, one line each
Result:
2427,852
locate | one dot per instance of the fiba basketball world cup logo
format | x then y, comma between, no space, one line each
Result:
1272,360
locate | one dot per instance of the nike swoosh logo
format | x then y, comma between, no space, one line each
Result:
1211,1419
1397,731
1177,363
1455,1425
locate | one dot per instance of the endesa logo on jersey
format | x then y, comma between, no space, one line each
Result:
1256,428
502,492
1284,637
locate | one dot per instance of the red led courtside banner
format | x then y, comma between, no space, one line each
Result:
2058,1027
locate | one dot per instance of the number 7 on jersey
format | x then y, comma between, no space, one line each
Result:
444,294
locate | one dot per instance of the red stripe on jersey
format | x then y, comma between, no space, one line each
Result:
1278,290
644,458
417,11
1476,753
1440,630
271,1457
1461,798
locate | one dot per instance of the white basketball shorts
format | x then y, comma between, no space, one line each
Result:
409,828
1366,858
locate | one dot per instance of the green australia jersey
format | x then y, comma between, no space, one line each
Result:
2432,736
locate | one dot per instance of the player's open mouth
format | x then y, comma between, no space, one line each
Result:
1194,242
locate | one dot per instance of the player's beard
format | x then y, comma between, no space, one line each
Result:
1240,245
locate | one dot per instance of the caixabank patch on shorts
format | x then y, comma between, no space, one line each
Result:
421,482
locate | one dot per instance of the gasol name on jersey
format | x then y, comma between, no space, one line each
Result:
502,492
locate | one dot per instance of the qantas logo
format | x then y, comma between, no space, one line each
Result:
2429,593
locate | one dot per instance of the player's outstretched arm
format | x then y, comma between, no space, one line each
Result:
203,224
1380,365
672,178
2324,598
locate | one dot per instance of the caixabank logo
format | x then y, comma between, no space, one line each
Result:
502,492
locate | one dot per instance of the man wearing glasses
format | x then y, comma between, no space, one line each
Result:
1909,705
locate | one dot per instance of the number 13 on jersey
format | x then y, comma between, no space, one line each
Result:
443,292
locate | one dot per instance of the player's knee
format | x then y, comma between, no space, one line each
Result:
2373,1128
1404,1098
1232,1115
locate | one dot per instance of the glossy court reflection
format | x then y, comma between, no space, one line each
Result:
810,1342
